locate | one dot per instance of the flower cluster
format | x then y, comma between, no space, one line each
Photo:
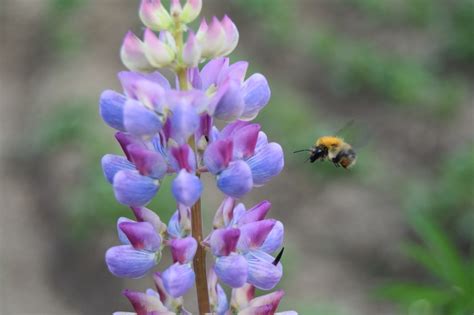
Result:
168,130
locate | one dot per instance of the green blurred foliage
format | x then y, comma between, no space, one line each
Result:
450,289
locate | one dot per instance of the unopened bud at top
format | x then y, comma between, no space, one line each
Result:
133,55
218,38
191,10
154,15
159,53
191,51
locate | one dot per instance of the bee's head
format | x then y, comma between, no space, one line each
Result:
318,152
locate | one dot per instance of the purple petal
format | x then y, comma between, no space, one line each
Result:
256,94
230,129
257,310
245,140
191,51
235,71
232,218
140,121
125,139
266,163
147,162
160,287
141,235
112,163
256,213
274,239
152,95
253,234
122,237
218,155
236,180
232,270
224,241
184,121
272,299
129,81
146,215
178,279
211,70
133,189
111,105
124,261
182,157
183,249
231,105
262,273
174,228
144,303
222,305
187,188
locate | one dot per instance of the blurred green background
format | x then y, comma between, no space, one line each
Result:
394,235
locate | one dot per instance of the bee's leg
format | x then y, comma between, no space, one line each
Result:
336,160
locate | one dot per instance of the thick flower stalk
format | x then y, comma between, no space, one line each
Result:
166,129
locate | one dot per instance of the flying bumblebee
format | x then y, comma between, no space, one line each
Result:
334,149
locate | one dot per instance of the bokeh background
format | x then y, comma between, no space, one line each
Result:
394,235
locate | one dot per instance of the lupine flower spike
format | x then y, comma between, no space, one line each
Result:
167,130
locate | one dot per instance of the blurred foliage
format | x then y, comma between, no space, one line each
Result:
450,289
449,198
356,67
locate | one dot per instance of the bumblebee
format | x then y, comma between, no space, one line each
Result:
334,149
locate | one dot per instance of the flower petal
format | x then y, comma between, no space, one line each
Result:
262,273
129,80
146,215
235,71
184,121
125,139
245,140
121,235
140,121
133,189
253,234
232,270
256,213
144,303
112,163
148,163
256,94
272,299
231,104
141,235
124,261
257,310
174,228
183,249
224,241
236,180
154,15
182,157
218,155
186,188
266,163
111,105
225,207
132,53
242,296
178,279
274,239
211,70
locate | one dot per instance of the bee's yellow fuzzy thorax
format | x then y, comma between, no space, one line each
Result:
330,142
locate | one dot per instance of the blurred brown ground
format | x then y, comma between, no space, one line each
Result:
345,234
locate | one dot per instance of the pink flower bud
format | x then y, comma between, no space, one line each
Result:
212,38
158,53
191,10
132,54
231,35
154,15
191,51
176,9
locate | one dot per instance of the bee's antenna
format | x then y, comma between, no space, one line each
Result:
278,257
302,150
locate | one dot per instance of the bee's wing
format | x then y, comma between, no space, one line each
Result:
354,133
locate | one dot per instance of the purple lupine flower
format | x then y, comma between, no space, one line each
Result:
169,130
242,242
232,98
242,158
141,249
